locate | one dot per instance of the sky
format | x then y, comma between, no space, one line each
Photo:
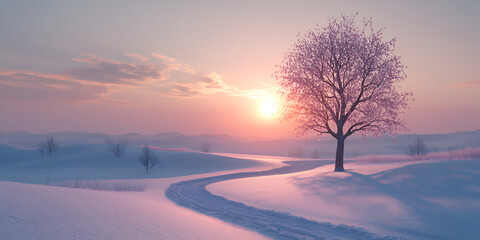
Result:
205,67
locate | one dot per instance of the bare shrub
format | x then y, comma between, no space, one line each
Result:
118,148
148,159
355,155
49,145
470,153
206,147
297,152
41,148
453,153
418,149
315,154
100,185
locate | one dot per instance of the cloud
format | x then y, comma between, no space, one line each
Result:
467,84
163,57
97,77
107,71
212,83
94,78
173,64
137,57
33,86
183,91
207,84
252,93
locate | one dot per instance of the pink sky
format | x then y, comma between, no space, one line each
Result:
204,67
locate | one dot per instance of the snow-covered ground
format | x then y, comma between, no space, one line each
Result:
415,200
279,225
29,211
385,195
304,148
34,211
94,161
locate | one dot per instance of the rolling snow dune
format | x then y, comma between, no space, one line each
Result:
31,211
416,200
47,212
324,148
192,194
94,161
434,200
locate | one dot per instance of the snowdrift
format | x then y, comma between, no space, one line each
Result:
94,161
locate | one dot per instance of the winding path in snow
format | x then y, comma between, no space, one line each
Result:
278,225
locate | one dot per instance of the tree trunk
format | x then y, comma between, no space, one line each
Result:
339,155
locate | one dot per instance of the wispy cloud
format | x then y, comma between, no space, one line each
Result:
107,71
33,86
212,83
467,84
181,90
173,64
96,77
252,93
137,57
92,80
204,85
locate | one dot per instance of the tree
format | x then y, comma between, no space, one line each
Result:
41,148
297,152
341,80
118,148
50,145
315,154
206,147
148,159
418,149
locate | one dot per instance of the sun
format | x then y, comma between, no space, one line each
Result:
268,108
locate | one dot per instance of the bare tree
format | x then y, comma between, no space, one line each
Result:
452,152
206,147
50,145
341,80
418,149
41,148
315,154
149,158
356,154
298,152
118,148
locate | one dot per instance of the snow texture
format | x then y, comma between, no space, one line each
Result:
356,145
32,212
95,162
192,194
414,200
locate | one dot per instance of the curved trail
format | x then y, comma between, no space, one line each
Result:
192,194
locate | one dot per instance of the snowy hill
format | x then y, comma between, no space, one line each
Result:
94,161
412,199
305,148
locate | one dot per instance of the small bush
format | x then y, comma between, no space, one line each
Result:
206,147
49,145
418,149
100,185
118,148
148,159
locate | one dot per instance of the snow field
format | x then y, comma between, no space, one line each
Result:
435,200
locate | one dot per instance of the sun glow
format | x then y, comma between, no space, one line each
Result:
268,108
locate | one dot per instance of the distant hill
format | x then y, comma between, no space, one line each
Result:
306,148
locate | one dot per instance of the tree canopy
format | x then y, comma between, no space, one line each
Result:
343,79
